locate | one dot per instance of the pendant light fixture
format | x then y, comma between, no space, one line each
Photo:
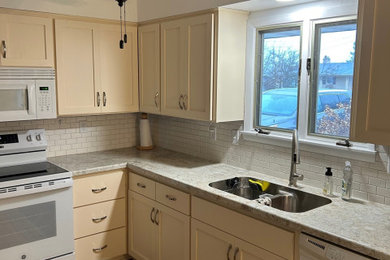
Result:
123,40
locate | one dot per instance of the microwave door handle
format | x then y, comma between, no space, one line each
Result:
31,100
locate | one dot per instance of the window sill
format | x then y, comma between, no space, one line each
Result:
362,152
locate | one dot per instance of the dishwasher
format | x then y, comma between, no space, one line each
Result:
311,248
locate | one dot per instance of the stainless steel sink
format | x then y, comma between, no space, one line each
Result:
280,197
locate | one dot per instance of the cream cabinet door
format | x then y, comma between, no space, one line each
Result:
75,51
199,81
371,94
26,41
149,68
173,234
209,243
142,228
174,74
117,69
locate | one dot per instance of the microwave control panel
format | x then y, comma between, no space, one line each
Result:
46,99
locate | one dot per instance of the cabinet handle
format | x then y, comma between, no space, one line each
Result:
155,99
180,105
228,252
236,252
98,250
155,217
151,215
99,190
4,49
97,220
104,99
98,99
170,197
143,186
185,99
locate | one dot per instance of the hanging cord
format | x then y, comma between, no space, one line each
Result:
120,15
124,21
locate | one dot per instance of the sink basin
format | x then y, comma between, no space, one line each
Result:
280,197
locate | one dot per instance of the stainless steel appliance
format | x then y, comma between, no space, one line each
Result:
27,94
36,215
311,248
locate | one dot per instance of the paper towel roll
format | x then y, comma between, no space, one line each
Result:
145,135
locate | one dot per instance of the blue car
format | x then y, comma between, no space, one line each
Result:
279,106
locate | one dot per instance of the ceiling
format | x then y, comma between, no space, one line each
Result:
257,5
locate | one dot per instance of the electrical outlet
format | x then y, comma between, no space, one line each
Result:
83,126
213,132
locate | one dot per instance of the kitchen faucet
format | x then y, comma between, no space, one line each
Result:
295,159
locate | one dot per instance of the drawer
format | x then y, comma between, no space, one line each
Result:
269,237
99,217
173,198
142,186
105,245
93,188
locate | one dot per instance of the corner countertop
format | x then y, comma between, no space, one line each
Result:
358,225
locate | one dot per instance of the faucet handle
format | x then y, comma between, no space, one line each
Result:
299,176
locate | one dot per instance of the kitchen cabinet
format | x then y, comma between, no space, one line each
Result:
371,93
157,231
26,41
93,75
149,68
211,243
250,239
99,208
200,79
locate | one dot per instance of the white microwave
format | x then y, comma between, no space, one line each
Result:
27,94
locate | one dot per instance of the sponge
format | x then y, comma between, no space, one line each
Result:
263,184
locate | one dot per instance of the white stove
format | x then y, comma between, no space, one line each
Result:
36,215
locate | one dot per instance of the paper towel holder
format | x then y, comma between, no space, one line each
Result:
144,116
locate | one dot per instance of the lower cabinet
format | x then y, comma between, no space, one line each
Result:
157,231
211,243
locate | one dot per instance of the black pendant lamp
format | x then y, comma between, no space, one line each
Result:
123,40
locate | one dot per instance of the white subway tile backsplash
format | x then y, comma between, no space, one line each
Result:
370,182
66,136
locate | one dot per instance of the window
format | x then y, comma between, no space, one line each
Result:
278,79
328,87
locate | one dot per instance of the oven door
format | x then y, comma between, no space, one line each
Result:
17,100
37,226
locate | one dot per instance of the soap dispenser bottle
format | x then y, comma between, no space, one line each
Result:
328,182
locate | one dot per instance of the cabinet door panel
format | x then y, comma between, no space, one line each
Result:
209,243
142,232
199,63
174,234
149,68
250,252
173,72
117,69
76,92
29,41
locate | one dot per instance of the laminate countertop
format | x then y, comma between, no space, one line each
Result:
358,225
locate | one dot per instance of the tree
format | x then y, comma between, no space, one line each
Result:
352,54
280,68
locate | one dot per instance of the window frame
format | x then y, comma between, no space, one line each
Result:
258,67
279,137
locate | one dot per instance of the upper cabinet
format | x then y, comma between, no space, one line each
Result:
93,74
26,41
200,79
149,68
372,92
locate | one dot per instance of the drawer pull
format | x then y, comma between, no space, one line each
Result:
151,215
143,186
228,252
170,197
97,220
99,190
236,252
98,250
155,217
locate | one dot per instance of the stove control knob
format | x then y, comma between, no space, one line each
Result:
38,137
29,138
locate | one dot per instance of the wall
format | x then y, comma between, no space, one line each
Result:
103,132
107,9
370,180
